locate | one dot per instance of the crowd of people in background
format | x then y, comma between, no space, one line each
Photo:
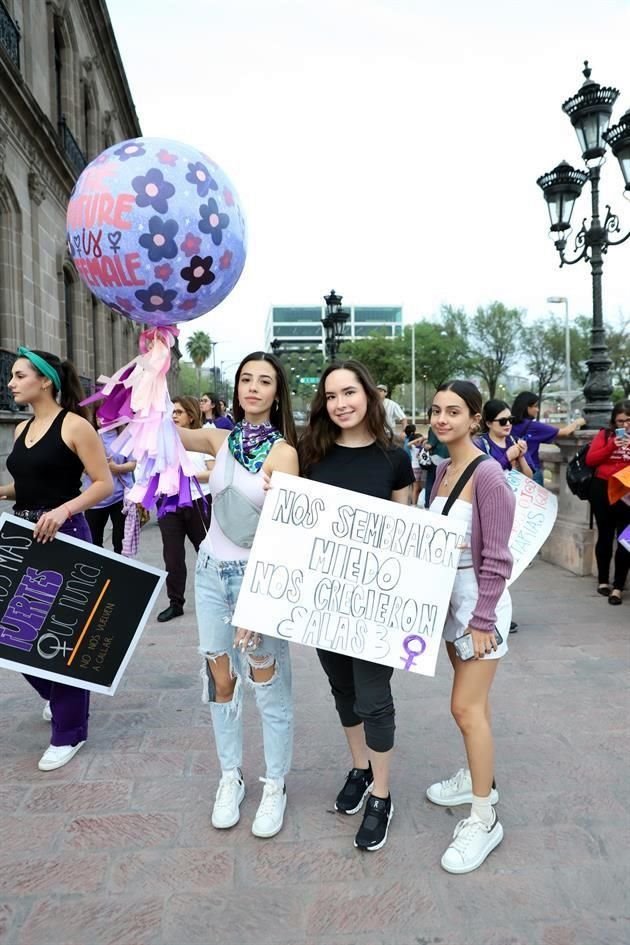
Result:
67,477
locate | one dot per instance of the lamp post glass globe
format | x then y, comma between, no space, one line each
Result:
590,110
618,138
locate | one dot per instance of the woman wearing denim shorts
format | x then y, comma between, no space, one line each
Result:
262,441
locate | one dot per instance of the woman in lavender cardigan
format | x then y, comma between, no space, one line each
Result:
480,604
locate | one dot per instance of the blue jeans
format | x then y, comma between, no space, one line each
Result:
217,584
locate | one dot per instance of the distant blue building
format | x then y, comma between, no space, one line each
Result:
300,326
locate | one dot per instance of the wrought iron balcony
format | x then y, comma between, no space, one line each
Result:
73,152
6,363
87,384
9,35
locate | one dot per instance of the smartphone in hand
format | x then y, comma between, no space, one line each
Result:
464,645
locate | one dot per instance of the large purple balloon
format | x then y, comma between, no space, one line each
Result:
156,231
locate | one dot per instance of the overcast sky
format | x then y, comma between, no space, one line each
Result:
385,148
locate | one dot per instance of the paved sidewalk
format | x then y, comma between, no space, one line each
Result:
117,848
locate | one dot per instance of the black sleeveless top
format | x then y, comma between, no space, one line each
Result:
46,474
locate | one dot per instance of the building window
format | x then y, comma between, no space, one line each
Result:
11,267
9,36
69,296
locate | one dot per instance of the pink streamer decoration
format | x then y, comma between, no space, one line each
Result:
137,395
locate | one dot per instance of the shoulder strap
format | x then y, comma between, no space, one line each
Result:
461,482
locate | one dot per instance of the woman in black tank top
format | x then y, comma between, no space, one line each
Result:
49,454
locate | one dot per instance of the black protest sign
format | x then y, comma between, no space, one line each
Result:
69,611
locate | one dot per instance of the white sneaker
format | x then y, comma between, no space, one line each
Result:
456,790
472,842
56,756
230,793
47,712
270,813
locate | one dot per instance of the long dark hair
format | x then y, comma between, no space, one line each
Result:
491,410
522,402
215,409
321,433
71,393
621,406
281,415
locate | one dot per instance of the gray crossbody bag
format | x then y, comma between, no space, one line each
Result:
236,515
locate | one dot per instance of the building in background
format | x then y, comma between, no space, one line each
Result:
63,99
300,326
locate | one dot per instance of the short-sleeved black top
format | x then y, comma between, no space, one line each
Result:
370,470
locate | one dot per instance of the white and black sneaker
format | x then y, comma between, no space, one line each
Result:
357,787
372,834
231,791
457,790
472,842
270,814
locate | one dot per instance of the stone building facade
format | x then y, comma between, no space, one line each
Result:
63,99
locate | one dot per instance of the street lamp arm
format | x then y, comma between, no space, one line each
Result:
611,225
581,248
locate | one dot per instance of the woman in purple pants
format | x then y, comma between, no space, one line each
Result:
50,452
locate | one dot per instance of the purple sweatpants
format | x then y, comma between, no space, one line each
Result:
69,706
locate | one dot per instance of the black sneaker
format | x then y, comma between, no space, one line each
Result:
358,785
372,833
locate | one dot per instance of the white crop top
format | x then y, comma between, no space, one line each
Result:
216,542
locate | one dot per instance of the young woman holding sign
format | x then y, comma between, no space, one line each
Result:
472,488
346,445
49,454
262,441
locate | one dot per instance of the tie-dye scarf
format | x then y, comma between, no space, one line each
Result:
250,443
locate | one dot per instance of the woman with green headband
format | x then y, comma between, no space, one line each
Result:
50,452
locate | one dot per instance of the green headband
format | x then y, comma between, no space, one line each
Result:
42,366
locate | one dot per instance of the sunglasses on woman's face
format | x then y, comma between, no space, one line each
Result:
503,421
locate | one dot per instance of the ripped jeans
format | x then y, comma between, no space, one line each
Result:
217,584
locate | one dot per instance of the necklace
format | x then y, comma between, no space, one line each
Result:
33,434
449,476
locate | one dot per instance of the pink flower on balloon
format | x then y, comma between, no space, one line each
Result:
124,303
225,260
152,190
190,245
199,273
165,157
228,197
156,298
187,305
212,221
163,272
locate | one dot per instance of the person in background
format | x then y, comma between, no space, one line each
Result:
209,405
608,454
225,410
497,440
237,659
50,452
480,605
526,426
439,454
393,412
188,521
412,446
111,508
346,445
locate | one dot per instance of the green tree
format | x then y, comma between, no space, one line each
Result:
383,356
544,351
580,337
199,349
618,340
494,342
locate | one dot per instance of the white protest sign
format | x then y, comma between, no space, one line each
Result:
348,573
536,511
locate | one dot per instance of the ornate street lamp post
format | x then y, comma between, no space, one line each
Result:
334,322
590,110
276,347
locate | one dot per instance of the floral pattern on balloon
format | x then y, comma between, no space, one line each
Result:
213,221
199,175
143,226
198,273
159,242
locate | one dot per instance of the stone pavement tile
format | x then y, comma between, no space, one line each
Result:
182,738
124,765
587,930
291,863
79,798
269,915
522,897
37,833
151,682
524,847
121,831
175,870
70,873
24,769
97,920
12,795
174,793
370,906
599,890
8,911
